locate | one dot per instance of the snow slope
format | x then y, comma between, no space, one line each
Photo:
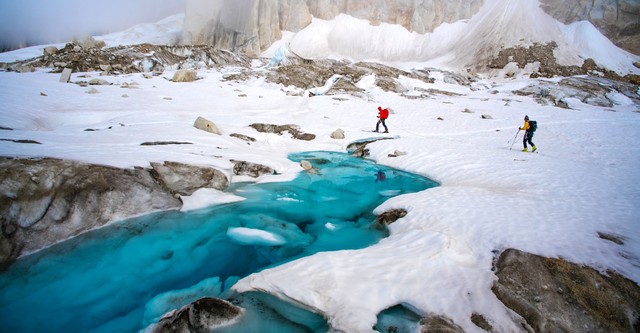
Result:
438,258
464,44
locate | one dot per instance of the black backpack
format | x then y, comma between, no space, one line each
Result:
533,125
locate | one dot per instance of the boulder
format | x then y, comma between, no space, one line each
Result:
391,216
185,75
184,179
49,51
66,75
90,43
338,134
206,125
203,315
306,165
99,82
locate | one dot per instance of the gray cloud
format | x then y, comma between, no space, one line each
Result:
34,22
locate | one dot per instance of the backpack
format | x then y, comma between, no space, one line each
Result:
533,125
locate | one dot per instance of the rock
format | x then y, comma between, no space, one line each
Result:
486,116
306,165
49,51
43,94
466,110
206,125
243,137
589,65
397,153
480,321
185,75
251,169
337,134
25,69
90,43
66,75
439,324
164,143
391,216
589,301
99,82
203,315
45,201
185,179
92,91
280,129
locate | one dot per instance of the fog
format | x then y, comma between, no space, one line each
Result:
33,22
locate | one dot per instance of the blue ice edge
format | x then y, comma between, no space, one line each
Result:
123,277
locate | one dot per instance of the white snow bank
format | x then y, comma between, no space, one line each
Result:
206,197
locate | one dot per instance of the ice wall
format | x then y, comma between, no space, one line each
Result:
253,25
250,25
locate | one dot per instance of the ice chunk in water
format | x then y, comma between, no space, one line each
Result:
248,236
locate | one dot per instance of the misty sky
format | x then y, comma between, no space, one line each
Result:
35,22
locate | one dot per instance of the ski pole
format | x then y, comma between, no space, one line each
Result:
514,139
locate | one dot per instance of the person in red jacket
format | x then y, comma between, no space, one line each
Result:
383,114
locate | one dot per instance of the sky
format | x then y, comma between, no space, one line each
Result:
34,22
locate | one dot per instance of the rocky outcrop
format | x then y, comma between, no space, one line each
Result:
45,201
589,90
553,295
203,315
616,19
184,179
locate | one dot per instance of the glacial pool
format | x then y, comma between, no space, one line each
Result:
123,277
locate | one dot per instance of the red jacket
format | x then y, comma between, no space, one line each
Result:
383,113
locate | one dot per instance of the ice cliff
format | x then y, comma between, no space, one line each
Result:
253,25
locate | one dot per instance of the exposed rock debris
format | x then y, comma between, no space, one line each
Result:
548,67
131,59
554,295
